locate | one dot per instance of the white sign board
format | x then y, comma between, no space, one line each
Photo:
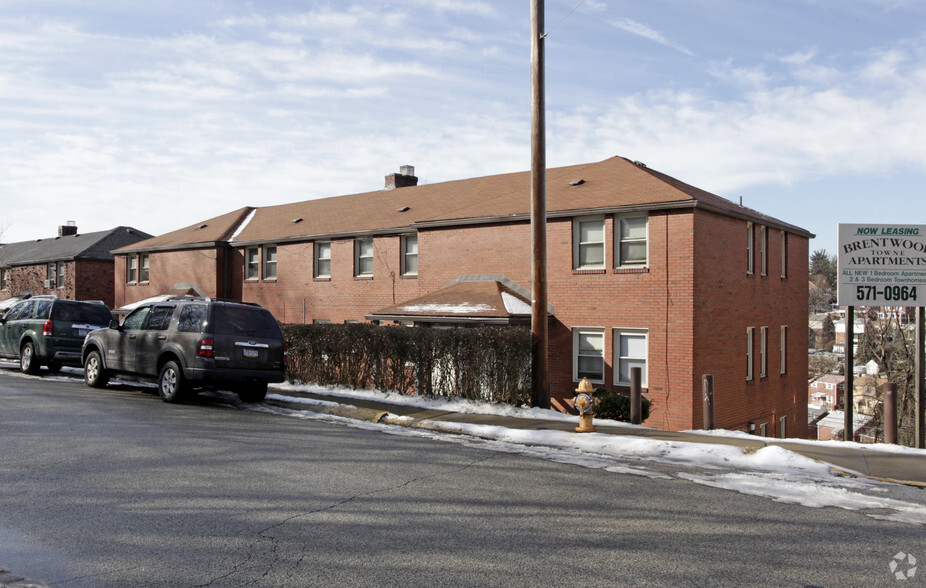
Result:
882,265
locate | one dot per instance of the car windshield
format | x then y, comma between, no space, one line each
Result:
255,322
81,312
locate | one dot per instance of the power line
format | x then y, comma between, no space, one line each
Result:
581,2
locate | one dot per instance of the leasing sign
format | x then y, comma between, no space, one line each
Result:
882,265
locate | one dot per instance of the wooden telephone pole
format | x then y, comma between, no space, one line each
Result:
540,386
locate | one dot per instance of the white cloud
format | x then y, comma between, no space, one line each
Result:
642,30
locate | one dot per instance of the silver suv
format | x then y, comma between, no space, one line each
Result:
185,342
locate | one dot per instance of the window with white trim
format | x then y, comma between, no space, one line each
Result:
323,259
631,349
143,267
588,243
783,349
409,255
4,279
750,244
61,271
363,257
588,354
631,241
763,352
252,263
131,269
750,337
269,269
784,254
763,250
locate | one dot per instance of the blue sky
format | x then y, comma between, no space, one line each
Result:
160,114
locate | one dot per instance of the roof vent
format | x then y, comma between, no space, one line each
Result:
575,183
640,164
202,226
296,221
404,209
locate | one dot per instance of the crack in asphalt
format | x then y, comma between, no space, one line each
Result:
265,533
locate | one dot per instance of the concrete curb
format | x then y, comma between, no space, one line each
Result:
438,423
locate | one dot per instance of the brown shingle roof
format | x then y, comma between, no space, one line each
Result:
615,183
204,233
469,298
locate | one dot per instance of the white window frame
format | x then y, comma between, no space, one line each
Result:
252,263
409,256
322,264
144,268
587,352
750,339
619,240
763,352
4,279
268,262
578,246
763,250
361,257
750,249
783,349
131,269
617,335
784,254
60,274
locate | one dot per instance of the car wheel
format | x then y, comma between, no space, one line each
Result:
253,393
171,386
28,362
94,374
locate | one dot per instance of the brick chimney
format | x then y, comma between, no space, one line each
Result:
67,229
405,177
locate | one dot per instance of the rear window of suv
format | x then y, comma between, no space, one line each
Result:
235,320
77,312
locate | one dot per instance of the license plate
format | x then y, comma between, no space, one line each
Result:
251,353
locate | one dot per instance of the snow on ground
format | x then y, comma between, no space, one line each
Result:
770,472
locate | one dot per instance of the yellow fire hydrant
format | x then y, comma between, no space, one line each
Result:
585,402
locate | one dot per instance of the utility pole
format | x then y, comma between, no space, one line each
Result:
540,386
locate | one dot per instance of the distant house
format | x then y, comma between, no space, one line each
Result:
827,392
832,427
643,271
72,265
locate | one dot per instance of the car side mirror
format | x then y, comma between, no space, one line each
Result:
114,324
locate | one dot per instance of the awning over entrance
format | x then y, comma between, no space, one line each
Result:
480,299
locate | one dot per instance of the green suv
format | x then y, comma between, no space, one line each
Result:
187,342
44,330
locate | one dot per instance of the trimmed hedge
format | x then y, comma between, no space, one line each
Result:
491,364
616,405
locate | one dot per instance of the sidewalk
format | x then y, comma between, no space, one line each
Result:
900,467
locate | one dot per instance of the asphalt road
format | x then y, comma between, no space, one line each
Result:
116,488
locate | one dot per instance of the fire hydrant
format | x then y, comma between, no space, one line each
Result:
585,403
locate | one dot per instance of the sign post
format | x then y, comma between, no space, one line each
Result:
882,265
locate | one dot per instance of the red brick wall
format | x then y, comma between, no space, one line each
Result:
695,308
202,267
93,280
728,300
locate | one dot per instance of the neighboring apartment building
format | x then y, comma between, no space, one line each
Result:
643,271
72,266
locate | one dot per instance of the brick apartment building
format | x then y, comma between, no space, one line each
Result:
72,265
643,270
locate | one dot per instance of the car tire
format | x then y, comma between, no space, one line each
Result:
253,393
95,375
28,362
171,385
